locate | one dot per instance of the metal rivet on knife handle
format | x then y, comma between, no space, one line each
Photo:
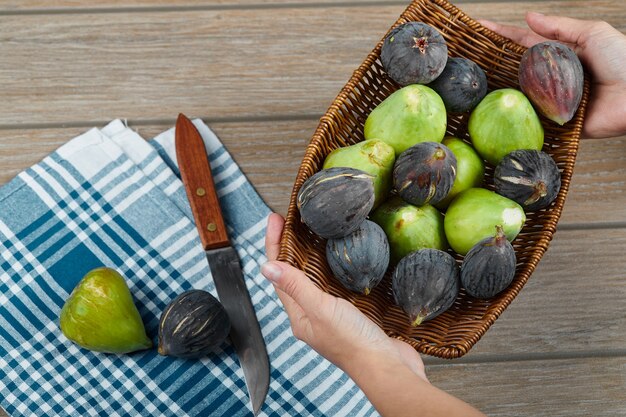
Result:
211,227
200,191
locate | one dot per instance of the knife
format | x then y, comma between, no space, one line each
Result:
245,332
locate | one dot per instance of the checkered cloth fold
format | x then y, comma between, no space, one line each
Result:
108,197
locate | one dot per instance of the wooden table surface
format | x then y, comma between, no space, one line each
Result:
261,73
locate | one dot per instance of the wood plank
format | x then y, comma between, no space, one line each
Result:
209,63
598,188
122,4
558,388
72,5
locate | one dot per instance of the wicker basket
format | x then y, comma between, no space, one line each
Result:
453,333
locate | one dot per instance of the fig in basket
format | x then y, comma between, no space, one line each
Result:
100,315
473,215
425,284
372,156
470,169
409,228
489,267
359,261
414,53
335,201
528,177
424,173
193,325
410,115
461,85
503,122
551,75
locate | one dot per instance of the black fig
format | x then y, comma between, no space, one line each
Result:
192,325
334,202
489,267
414,53
359,261
424,173
529,177
461,85
425,283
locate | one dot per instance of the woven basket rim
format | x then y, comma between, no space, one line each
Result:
549,222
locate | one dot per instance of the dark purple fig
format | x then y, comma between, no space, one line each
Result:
192,325
359,261
551,75
461,85
489,267
334,202
424,173
425,283
414,53
529,177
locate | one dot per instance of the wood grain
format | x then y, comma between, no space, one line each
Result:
213,64
46,5
195,172
558,388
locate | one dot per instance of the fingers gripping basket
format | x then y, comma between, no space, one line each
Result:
453,333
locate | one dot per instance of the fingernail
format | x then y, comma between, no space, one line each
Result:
271,271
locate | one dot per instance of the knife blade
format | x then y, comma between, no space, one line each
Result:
232,292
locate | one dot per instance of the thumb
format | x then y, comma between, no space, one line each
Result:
563,29
295,284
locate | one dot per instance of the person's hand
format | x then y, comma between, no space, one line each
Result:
332,326
601,49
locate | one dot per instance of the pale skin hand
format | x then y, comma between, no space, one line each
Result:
390,372
602,51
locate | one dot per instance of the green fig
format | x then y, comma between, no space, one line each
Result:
372,156
475,213
411,115
503,122
100,315
409,228
470,169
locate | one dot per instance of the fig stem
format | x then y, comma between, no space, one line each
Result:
500,236
418,320
540,191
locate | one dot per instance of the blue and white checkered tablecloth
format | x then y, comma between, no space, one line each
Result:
111,198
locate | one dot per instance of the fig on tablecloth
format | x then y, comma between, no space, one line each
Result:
100,315
193,325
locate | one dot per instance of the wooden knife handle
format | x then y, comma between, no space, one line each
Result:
195,172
